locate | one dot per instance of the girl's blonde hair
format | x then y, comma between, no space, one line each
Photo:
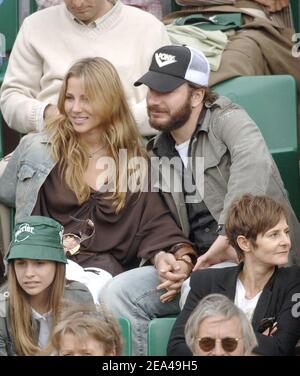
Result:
104,91
84,321
22,327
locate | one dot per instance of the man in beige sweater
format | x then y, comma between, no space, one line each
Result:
50,40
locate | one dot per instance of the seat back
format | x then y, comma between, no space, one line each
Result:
2,72
271,101
295,5
125,327
9,21
1,137
159,330
9,28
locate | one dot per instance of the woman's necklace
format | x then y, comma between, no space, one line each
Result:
91,155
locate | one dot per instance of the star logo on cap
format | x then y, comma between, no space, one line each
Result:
163,59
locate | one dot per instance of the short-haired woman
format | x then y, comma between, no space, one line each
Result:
256,226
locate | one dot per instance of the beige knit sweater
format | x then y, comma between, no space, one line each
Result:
50,40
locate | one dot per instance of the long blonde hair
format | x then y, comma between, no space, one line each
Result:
103,88
22,328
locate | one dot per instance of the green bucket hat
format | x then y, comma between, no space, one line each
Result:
37,238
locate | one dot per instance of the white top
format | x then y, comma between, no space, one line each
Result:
45,321
93,278
245,304
50,41
183,152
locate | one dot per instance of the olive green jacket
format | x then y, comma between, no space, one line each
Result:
229,158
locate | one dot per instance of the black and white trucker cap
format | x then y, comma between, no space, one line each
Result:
172,66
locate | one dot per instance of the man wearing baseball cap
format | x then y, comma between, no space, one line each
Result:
214,153
195,122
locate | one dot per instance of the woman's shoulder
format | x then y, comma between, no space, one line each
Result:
78,292
34,146
33,141
35,137
289,273
72,285
212,274
3,304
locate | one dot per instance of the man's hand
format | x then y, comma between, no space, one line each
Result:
172,274
50,111
273,5
219,251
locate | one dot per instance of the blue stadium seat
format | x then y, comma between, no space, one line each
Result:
125,326
159,331
295,5
2,72
271,101
9,21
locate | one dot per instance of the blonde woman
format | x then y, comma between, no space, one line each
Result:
81,171
88,170
36,286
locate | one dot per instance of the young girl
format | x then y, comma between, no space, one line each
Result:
36,285
85,330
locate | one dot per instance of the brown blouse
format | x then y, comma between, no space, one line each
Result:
121,240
